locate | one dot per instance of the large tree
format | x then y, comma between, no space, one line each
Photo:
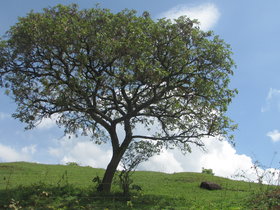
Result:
96,71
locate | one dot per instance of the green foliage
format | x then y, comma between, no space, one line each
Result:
207,171
125,181
128,66
97,181
268,195
267,199
96,70
136,153
72,164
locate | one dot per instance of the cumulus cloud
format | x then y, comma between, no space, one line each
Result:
274,135
273,98
207,14
220,156
48,123
83,152
165,162
9,154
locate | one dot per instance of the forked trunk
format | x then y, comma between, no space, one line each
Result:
118,152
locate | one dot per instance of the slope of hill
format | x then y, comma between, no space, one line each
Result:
35,186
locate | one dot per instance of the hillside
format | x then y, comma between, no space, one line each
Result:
58,186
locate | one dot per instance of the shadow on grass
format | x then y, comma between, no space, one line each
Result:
67,196
42,196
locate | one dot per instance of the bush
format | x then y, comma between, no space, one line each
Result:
72,164
207,171
268,199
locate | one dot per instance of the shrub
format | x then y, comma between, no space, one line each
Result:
207,171
72,164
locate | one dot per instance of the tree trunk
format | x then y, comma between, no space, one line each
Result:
118,152
105,185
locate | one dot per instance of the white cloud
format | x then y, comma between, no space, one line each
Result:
220,156
165,162
273,98
9,154
272,93
83,152
274,135
29,149
48,123
207,14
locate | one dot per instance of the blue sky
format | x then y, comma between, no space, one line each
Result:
252,28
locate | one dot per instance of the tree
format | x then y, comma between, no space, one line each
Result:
97,70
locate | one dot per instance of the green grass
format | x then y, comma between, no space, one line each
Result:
38,186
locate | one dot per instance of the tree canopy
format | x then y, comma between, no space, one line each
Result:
96,70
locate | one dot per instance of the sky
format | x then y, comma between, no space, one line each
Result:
251,27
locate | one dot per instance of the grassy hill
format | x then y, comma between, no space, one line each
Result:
39,186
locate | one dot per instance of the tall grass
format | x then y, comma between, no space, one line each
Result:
38,186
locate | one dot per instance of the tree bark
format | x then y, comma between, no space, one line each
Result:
118,152
105,185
